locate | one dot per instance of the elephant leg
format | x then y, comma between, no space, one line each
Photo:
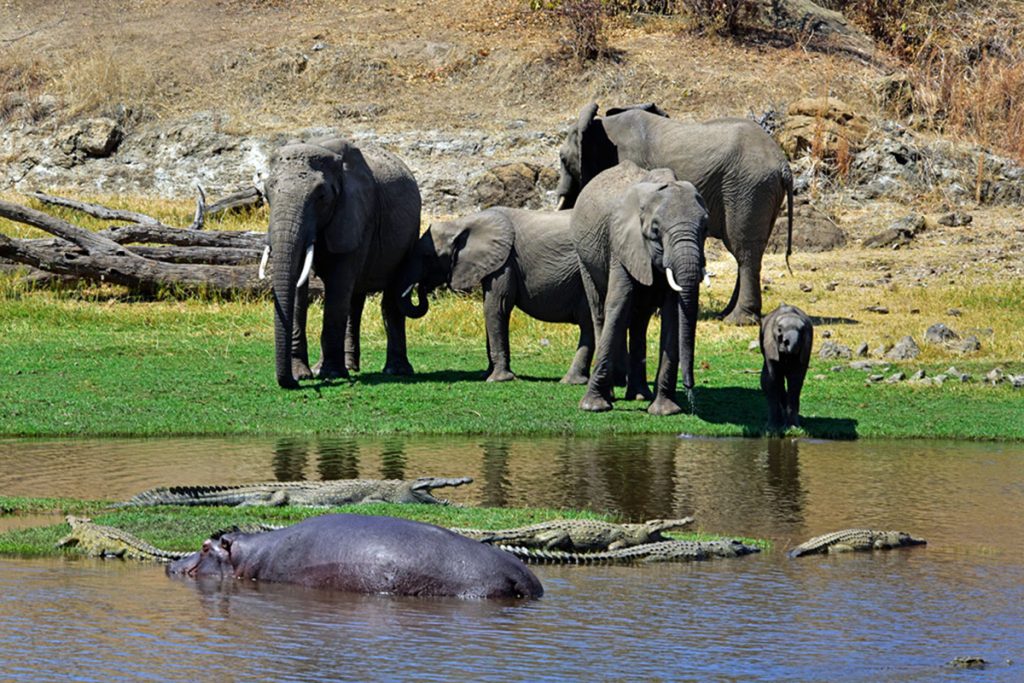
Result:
775,394
668,364
636,368
579,371
300,348
499,292
794,385
598,397
746,296
338,287
397,358
352,326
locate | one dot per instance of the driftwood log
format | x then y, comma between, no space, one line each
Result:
188,259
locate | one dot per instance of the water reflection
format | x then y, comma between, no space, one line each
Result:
291,454
338,458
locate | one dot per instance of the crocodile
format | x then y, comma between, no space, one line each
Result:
578,535
645,553
855,539
107,541
308,493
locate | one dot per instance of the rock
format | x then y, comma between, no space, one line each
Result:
813,232
754,346
875,378
895,378
953,373
826,334
918,376
937,380
939,333
518,185
868,365
896,93
955,312
804,287
1017,381
956,219
822,27
968,345
97,138
862,350
905,349
900,233
876,308
831,349
825,125
994,376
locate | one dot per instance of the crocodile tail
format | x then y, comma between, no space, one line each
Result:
174,495
428,483
540,556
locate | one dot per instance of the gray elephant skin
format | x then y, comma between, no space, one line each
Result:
522,259
786,338
640,239
364,554
739,170
353,215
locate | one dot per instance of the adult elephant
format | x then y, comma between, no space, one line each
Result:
739,170
640,239
352,216
522,259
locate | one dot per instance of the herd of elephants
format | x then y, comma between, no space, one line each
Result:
639,193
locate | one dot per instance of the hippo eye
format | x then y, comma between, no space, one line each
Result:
225,543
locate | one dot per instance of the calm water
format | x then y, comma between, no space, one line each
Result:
885,616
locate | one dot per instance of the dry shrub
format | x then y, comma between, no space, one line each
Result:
584,19
101,81
721,17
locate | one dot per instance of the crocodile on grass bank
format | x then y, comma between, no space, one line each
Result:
308,493
849,540
646,553
578,535
107,541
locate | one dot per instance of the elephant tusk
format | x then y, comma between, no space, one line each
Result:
672,281
263,262
306,266
707,278
561,203
408,290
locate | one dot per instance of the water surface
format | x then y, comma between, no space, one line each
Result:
898,615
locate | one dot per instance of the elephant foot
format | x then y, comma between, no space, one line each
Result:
663,405
595,403
287,382
398,367
300,369
639,393
328,371
574,377
742,317
501,376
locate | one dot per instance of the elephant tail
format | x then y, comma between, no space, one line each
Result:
787,181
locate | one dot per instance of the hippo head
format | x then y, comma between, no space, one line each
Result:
214,560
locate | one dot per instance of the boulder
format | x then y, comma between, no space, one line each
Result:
905,349
813,231
518,185
939,333
97,138
822,27
823,124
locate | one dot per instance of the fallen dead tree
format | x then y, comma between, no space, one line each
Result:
187,259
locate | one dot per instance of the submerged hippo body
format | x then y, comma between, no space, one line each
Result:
365,554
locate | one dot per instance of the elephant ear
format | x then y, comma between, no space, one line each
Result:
479,248
649,107
597,151
769,346
355,198
806,339
627,234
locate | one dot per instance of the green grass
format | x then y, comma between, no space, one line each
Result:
95,364
185,528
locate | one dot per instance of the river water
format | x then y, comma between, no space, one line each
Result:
897,615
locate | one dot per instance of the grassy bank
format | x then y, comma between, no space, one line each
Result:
185,528
93,363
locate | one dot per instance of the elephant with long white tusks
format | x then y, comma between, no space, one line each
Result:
351,217
640,238
739,170
521,259
787,335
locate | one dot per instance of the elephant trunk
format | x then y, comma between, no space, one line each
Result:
288,244
684,274
411,279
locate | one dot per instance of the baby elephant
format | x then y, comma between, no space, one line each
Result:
522,259
786,339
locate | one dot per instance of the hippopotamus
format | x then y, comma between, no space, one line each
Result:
365,554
